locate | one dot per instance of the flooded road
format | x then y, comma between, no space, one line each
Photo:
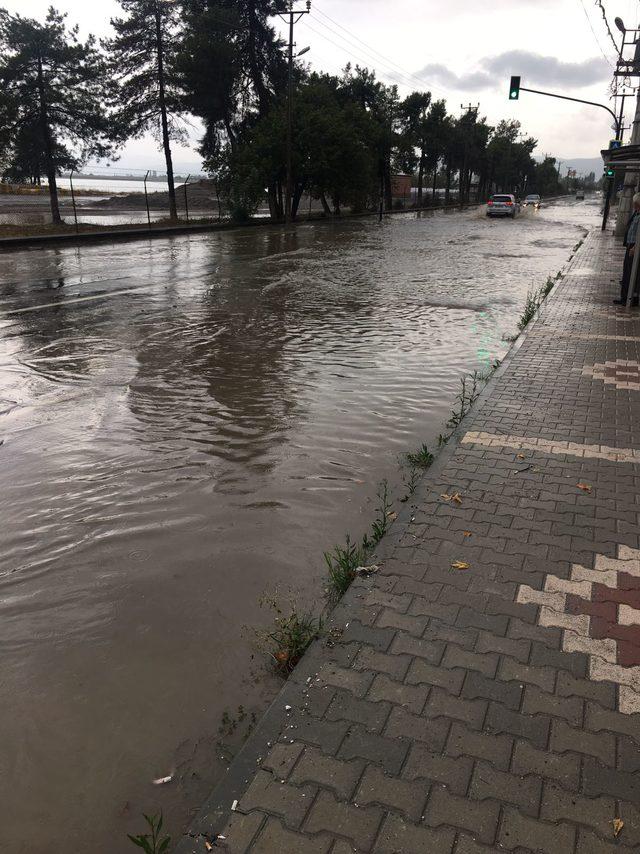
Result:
187,423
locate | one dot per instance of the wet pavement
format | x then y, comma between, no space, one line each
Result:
187,423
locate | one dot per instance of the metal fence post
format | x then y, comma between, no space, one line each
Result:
146,198
186,201
73,200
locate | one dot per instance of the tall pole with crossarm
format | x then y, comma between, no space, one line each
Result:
291,17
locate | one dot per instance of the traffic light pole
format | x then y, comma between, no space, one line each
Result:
617,122
514,92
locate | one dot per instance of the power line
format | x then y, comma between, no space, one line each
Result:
393,75
600,5
371,50
586,14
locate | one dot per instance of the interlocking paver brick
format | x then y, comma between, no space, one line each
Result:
412,697
601,745
395,665
521,791
401,837
518,649
241,830
420,672
422,764
600,780
275,837
431,651
564,768
442,704
282,758
317,769
539,702
402,724
379,638
597,718
393,793
268,794
359,824
328,735
534,728
476,686
390,753
602,692
346,707
351,680
494,748
414,625
513,670
479,817
559,805
520,831
591,843
486,663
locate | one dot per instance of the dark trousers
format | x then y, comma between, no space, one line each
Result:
626,275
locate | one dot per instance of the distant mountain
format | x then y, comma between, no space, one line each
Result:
583,165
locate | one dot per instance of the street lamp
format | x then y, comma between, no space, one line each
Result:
620,25
303,51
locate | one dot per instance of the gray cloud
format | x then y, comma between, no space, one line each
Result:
532,67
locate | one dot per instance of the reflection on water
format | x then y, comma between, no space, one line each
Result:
187,423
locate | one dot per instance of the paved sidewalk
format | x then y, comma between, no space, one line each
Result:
498,707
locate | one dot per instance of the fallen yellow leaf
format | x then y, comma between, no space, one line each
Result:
618,824
445,497
457,498
460,564
208,845
467,534
521,456
585,487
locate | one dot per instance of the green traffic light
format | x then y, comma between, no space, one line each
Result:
514,88
513,95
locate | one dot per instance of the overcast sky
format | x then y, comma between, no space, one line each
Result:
463,50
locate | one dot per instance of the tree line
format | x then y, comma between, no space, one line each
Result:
64,101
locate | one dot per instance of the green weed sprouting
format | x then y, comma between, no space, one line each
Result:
381,522
342,563
291,634
151,842
469,393
531,306
421,459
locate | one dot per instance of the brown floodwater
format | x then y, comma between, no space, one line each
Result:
187,423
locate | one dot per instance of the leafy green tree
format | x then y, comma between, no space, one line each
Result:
234,72
143,60
413,136
52,108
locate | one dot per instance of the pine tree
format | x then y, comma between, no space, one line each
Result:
143,57
52,109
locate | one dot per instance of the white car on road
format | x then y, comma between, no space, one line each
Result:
502,205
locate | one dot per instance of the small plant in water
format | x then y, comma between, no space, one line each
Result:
469,393
381,522
151,842
531,306
291,635
546,289
411,483
420,459
342,563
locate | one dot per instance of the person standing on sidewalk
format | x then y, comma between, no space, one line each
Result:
630,245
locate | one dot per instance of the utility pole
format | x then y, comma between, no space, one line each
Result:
627,67
291,17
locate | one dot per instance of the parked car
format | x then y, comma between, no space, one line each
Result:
502,205
580,196
532,201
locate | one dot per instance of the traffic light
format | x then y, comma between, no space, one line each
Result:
609,172
514,89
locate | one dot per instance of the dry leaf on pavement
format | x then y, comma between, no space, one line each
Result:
585,487
457,498
460,564
467,534
618,824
